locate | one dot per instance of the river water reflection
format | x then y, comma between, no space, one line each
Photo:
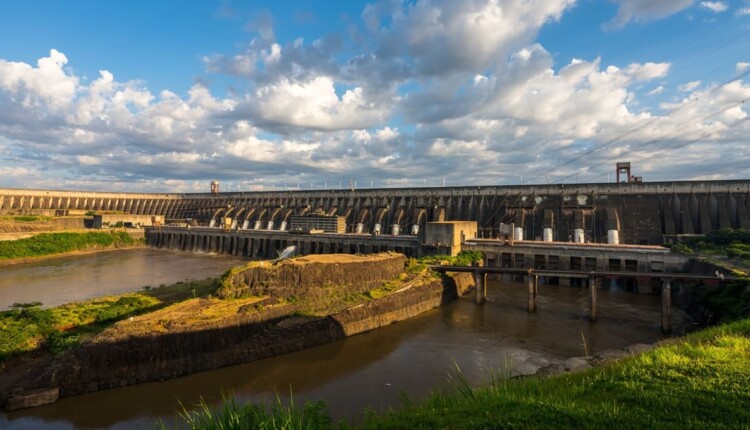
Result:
75,278
371,369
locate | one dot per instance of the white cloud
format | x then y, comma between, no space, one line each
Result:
741,67
689,86
443,36
386,134
648,71
314,104
46,84
645,10
714,6
743,11
656,91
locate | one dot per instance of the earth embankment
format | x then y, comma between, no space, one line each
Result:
271,310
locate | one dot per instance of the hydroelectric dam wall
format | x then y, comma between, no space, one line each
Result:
640,213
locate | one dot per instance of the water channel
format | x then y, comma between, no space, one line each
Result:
372,369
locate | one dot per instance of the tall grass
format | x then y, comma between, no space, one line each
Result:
230,415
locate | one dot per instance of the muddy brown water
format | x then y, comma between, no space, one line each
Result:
373,369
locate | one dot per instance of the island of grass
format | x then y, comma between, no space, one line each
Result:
254,311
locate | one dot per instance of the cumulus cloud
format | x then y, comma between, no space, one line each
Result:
645,10
743,11
46,84
419,90
714,6
312,104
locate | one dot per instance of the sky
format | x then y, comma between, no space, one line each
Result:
168,95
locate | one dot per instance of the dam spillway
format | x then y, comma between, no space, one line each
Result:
641,213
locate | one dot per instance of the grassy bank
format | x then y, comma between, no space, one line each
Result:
727,243
699,381
28,327
58,243
24,219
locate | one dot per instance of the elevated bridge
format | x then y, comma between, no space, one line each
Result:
594,283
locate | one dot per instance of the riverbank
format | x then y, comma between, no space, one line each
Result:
47,246
698,381
182,338
39,224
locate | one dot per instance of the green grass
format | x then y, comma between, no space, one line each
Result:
734,243
697,382
464,258
24,218
311,416
57,243
28,327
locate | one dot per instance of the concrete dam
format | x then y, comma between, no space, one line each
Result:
627,213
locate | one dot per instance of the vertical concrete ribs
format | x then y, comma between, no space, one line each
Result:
631,213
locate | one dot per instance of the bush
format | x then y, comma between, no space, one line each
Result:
59,342
682,248
25,218
468,258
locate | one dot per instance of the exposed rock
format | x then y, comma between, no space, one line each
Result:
573,364
640,348
32,399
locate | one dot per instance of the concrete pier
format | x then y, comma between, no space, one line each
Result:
666,306
480,279
532,283
593,305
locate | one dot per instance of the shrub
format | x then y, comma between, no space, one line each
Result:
59,342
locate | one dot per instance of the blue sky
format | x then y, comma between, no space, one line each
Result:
168,95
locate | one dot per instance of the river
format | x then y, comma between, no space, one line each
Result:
74,278
372,369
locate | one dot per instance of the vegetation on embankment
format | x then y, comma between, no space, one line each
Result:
734,244
23,219
726,251
28,327
47,244
699,381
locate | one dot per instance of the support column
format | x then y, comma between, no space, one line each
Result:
480,279
666,306
592,299
532,281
